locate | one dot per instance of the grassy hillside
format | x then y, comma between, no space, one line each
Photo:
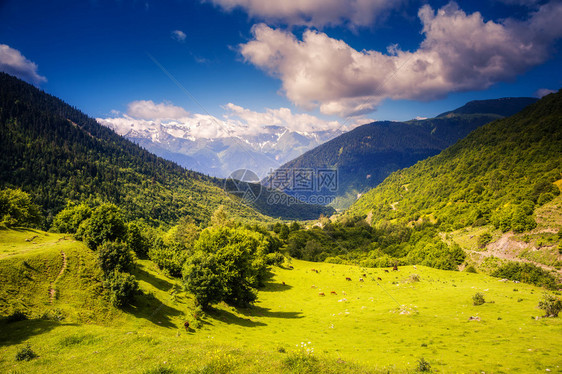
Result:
499,174
383,325
50,276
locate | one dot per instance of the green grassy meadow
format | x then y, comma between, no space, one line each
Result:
383,325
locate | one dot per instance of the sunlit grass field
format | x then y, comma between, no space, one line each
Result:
374,325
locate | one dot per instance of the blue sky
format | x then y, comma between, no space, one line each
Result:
330,59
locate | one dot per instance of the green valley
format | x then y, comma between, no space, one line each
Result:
450,265
378,325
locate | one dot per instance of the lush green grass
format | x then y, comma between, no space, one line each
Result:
19,242
366,333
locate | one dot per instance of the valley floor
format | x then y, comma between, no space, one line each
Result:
387,322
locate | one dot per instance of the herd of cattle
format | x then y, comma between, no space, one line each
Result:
395,268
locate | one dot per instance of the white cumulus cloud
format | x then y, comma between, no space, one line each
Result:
179,35
254,121
459,52
313,12
14,63
144,116
543,92
148,110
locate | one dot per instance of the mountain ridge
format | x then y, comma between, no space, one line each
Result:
366,155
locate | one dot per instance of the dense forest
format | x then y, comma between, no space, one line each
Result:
498,174
58,154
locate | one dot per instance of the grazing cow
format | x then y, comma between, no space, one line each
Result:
365,275
415,267
321,294
317,271
343,292
379,278
333,293
313,270
313,286
186,325
360,279
348,279
386,271
395,268
283,283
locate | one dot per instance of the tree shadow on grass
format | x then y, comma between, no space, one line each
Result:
258,311
251,313
141,274
18,332
271,286
275,287
154,310
232,319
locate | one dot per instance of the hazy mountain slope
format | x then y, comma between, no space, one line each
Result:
499,173
365,156
57,153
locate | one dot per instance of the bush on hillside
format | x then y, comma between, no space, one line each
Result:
105,224
518,218
551,305
423,365
168,256
122,287
137,238
527,273
69,219
17,209
228,265
114,256
478,299
25,354
470,269
171,249
484,239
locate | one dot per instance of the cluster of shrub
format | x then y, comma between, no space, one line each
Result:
226,261
103,230
351,240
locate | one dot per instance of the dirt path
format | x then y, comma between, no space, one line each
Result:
52,291
507,249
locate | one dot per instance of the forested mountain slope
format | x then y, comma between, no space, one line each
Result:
58,154
499,174
365,156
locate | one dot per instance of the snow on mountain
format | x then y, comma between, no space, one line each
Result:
220,156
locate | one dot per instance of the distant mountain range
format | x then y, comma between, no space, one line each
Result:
365,156
220,157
